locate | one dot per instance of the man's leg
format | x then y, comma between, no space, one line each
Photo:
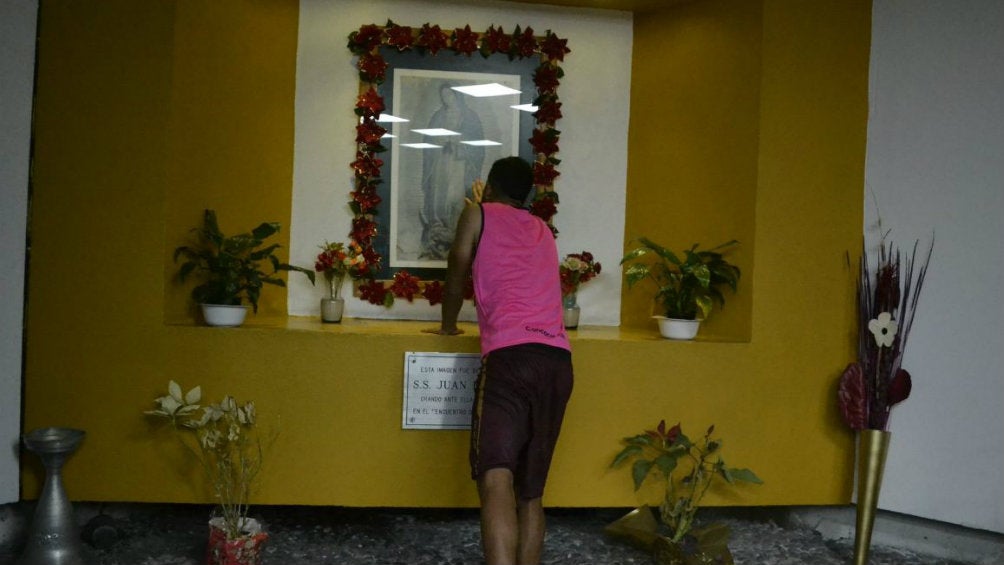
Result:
531,531
499,523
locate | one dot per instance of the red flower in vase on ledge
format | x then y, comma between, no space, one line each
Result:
337,260
887,303
577,269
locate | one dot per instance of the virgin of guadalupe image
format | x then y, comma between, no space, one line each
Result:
448,172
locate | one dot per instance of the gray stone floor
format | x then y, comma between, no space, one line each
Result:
175,535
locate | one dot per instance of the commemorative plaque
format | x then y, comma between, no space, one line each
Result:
439,390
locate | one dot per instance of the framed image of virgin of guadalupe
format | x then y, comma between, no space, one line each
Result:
450,140
421,164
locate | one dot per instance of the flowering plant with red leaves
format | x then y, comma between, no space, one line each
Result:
661,452
370,104
400,37
464,40
495,40
525,43
544,205
432,38
433,292
366,44
553,47
405,285
548,109
887,303
577,269
372,67
545,141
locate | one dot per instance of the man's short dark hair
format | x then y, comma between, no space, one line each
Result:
512,176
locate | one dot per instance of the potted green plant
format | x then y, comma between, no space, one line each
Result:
687,470
687,284
231,269
223,439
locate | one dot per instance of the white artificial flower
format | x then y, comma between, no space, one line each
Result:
210,438
246,415
884,329
574,264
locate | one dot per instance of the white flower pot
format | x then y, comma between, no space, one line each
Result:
224,316
672,328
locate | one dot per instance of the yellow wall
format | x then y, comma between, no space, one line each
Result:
145,116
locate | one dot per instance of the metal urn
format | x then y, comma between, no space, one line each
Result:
53,538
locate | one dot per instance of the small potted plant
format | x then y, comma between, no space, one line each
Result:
687,470
575,269
224,440
231,270
688,284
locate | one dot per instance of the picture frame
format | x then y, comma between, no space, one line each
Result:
382,50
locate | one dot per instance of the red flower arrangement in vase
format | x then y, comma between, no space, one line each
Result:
887,303
366,43
575,270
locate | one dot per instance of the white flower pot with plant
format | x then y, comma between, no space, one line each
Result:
687,287
230,268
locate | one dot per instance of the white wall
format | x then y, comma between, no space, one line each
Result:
594,96
17,71
936,164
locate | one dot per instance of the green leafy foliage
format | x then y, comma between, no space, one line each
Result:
665,451
689,283
230,266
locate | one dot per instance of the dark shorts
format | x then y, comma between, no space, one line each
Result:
519,403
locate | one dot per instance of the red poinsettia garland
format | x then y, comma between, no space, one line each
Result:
521,43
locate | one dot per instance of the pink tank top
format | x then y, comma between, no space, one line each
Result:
516,282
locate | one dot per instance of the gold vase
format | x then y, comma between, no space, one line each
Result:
872,448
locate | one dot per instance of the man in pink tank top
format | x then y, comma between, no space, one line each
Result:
526,370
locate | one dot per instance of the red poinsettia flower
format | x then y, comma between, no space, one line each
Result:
548,112
525,42
545,141
400,37
364,40
432,38
433,292
373,260
372,68
369,104
405,285
366,200
546,77
544,206
465,41
363,230
666,436
544,174
495,40
553,47
374,292
366,164
369,132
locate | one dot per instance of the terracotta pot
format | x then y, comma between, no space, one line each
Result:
245,550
